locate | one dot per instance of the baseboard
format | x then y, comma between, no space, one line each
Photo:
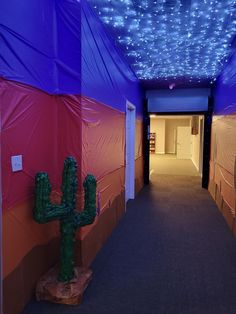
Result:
222,206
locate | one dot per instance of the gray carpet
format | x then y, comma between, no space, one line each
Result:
171,254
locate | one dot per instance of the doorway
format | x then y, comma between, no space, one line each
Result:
130,152
176,144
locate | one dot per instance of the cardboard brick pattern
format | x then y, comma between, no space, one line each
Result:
222,167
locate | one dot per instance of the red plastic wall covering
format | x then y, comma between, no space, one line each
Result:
44,129
103,133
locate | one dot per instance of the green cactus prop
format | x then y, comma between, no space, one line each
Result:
69,219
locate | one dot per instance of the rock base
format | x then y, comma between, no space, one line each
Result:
49,289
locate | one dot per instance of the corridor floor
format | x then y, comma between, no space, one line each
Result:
169,164
172,253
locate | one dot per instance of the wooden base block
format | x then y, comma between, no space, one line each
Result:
49,289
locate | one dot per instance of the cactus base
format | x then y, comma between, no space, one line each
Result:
71,293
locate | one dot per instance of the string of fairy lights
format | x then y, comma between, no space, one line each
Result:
165,39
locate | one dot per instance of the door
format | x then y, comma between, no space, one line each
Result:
184,142
130,152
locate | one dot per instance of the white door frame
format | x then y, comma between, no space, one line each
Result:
130,151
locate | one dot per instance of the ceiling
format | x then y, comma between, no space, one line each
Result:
172,40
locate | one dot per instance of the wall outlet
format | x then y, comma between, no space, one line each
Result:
16,163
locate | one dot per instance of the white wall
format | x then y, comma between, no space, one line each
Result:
158,126
171,132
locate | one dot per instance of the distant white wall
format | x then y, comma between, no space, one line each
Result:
171,131
158,126
196,142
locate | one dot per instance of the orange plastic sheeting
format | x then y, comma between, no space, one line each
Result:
103,133
139,139
109,187
44,129
21,233
223,152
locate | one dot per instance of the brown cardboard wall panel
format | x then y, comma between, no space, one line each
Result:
139,139
139,174
228,215
19,285
21,234
212,189
222,167
219,198
93,241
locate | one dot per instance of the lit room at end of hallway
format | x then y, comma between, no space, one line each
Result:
176,144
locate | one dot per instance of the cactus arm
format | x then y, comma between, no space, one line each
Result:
44,210
70,183
87,216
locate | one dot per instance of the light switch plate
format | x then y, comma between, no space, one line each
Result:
16,163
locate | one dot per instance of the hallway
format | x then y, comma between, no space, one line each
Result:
169,164
172,253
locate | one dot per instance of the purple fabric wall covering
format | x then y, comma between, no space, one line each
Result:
225,89
40,44
106,76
